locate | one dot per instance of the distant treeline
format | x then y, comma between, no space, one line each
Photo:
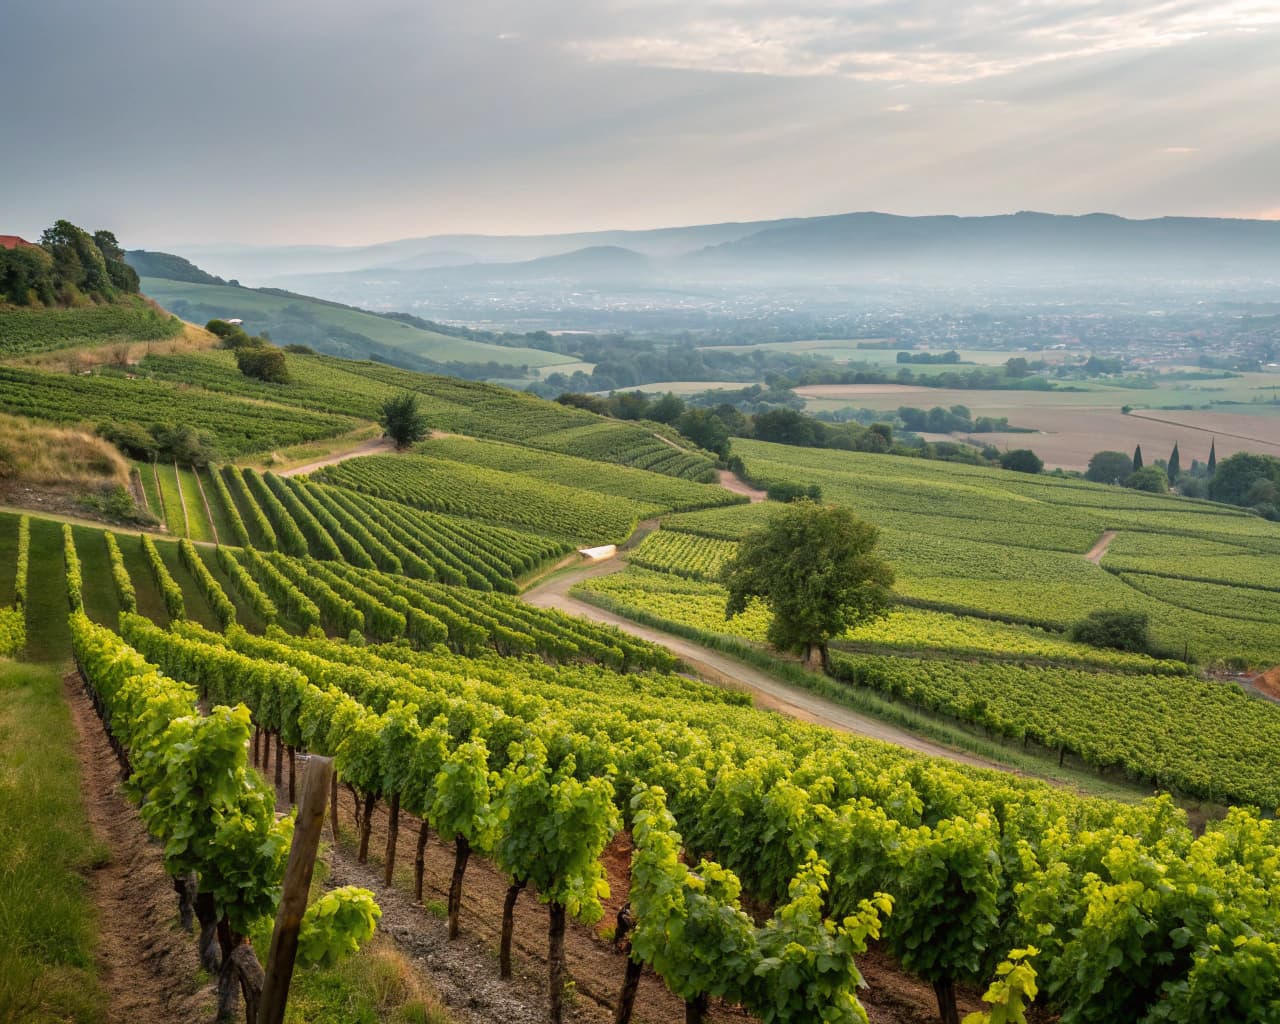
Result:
69,267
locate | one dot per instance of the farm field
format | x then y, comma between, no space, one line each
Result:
243,303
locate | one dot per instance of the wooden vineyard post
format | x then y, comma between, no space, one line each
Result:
297,884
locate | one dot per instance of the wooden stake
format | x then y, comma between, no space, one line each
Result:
297,884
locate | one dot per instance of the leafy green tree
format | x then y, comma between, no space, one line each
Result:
1213,455
1017,367
403,421
1137,458
1149,478
1021,460
815,567
1122,630
1236,475
1109,468
263,362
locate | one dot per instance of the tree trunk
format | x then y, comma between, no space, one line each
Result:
279,761
462,850
293,778
508,922
266,751
813,659
228,990
249,972
210,949
695,1010
420,860
627,997
945,990
333,802
366,826
393,833
185,887
555,962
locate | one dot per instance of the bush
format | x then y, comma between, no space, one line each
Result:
263,362
1152,479
788,492
1123,631
1022,460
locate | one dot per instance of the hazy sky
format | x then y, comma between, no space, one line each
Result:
315,121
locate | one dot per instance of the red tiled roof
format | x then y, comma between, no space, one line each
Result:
12,241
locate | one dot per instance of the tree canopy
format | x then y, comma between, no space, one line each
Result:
403,421
815,567
1109,468
66,268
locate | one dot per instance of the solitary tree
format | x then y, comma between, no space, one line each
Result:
402,420
815,568
1137,458
1109,468
1213,456
1175,465
1022,460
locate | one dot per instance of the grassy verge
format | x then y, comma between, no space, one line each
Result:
8,556
47,931
101,603
197,519
245,614
221,521
1027,761
48,635
150,600
173,508
311,451
193,599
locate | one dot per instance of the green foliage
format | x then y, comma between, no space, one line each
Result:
1012,992
119,574
13,632
246,586
27,331
69,266
813,566
75,581
263,362
403,421
223,609
1111,467
1123,631
337,925
1151,479
169,589
1021,460
22,565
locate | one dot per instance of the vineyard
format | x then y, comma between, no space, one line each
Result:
29,331
810,822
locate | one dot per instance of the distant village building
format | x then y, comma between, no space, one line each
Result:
13,241
236,321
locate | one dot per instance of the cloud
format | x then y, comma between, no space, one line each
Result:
1180,150
927,42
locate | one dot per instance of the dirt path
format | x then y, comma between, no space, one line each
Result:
370,447
1098,550
148,967
731,482
724,670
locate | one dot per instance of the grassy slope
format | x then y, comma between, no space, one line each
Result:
197,519
243,303
245,614
221,521
48,635
173,507
193,599
47,934
101,603
150,603
8,557
148,477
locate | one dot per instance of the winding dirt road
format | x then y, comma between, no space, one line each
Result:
370,447
1098,550
724,670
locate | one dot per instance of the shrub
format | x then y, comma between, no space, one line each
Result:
1022,460
1123,631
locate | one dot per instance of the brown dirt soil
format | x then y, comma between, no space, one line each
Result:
1269,682
465,972
1098,550
148,966
731,482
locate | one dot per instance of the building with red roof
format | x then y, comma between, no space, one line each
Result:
13,241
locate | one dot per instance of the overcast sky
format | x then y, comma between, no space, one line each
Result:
275,121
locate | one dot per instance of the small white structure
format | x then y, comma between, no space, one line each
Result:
599,554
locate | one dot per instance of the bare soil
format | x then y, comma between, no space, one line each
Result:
148,966
465,971
1098,550
731,482
373,446
1268,683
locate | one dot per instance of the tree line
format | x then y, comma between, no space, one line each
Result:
69,267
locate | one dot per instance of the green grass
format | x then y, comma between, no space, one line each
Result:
147,474
101,603
193,599
173,505
150,602
221,522
47,932
197,519
48,635
8,557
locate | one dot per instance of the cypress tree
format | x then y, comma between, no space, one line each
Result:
1175,464
1137,458
1213,456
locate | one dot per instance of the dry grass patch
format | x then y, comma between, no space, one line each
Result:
36,454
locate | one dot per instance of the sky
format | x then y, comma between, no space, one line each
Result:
315,121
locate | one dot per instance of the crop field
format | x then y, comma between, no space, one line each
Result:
25,332
244,303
